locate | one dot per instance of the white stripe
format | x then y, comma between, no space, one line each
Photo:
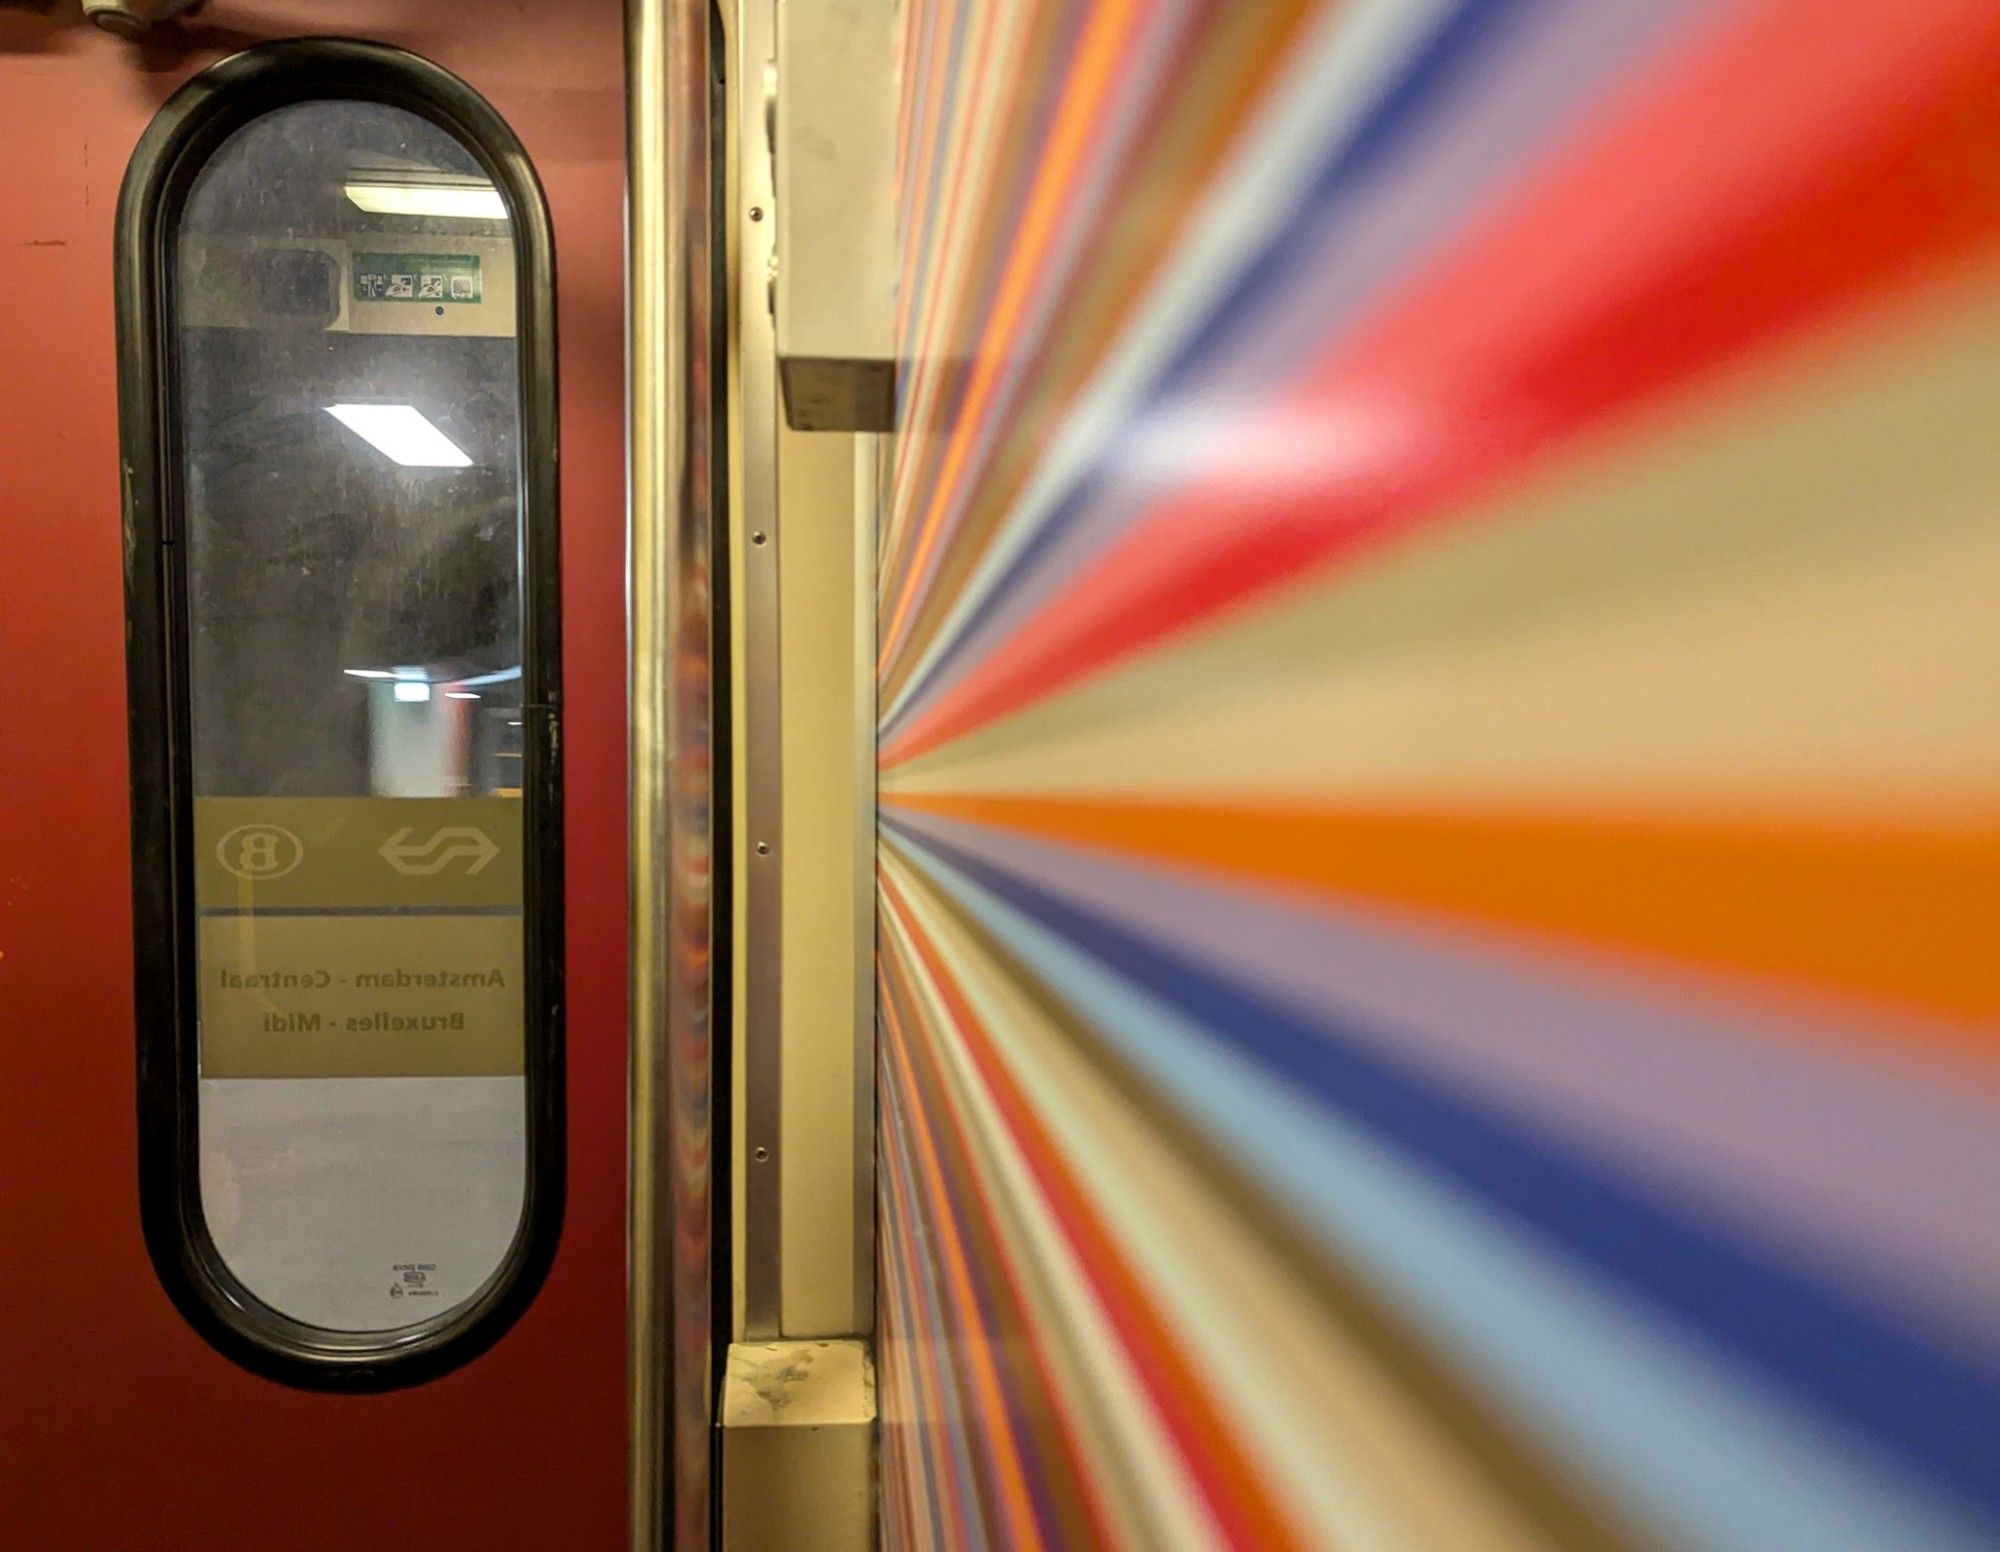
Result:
1320,98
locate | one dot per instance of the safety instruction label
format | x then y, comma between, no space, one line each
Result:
359,937
416,277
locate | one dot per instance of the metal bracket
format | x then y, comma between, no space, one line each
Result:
834,149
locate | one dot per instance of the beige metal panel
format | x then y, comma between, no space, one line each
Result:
867,483
756,525
798,1448
804,789
821,1077
836,290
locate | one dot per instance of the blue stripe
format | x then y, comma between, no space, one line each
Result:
1933,1410
1563,1351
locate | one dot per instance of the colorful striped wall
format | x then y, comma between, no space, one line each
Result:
1440,776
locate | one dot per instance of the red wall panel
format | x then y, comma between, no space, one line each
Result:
119,1428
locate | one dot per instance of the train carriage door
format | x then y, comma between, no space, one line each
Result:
334,1258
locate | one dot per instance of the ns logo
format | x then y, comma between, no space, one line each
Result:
260,851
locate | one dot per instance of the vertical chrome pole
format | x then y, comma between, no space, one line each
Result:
667,394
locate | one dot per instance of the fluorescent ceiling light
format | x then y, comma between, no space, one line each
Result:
498,676
412,690
402,433
369,673
461,695
466,202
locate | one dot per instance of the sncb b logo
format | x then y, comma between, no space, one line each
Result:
260,851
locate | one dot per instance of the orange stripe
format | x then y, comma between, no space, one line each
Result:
1011,1475
1098,54
929,130
1900,915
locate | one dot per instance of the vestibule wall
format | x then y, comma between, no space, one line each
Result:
1436,763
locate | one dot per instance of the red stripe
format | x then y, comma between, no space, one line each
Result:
1044,1396
1738,205
1206,1444
928,1342
982,1408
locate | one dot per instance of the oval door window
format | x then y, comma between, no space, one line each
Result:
344,741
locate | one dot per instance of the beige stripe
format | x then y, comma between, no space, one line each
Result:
1354,1458
1791,588
1216,98
1116,1432
970,141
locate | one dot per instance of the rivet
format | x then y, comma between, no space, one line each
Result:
763,1154
756,212
763,848
757,537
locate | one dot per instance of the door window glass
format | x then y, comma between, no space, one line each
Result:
343,520
351,436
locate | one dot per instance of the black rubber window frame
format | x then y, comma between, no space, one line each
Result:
178,143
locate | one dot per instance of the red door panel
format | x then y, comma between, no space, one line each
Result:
119,1428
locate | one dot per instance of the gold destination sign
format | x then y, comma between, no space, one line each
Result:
265,853
359,937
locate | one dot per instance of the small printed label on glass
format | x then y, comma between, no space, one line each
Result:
416,277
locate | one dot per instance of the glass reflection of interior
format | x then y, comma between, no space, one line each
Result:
347,375
352,464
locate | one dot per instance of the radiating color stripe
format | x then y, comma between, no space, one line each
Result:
1439,744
